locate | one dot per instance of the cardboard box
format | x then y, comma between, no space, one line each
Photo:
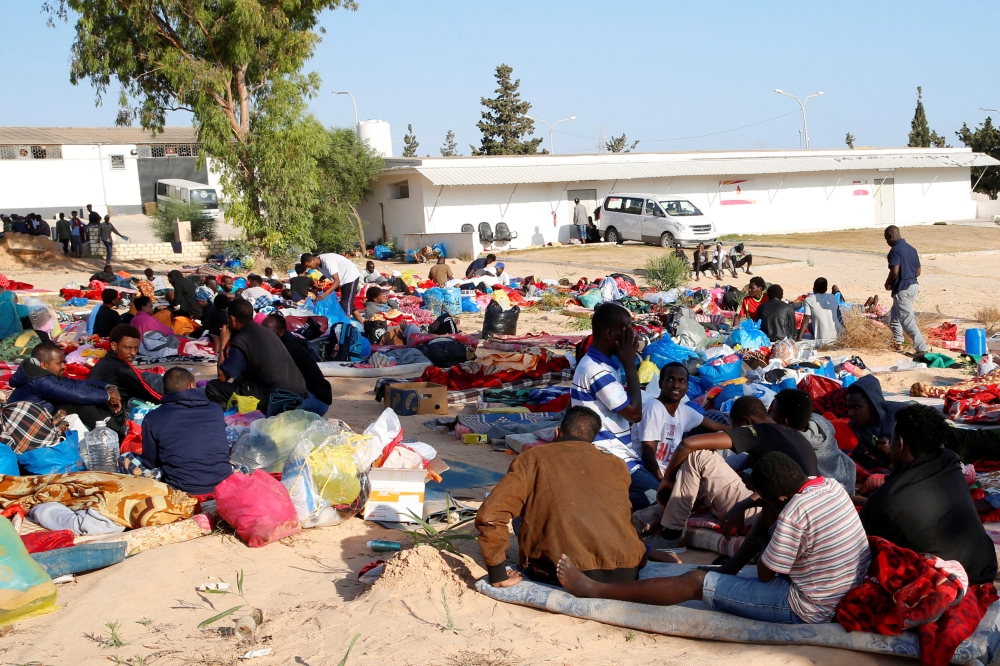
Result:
418,398
394,494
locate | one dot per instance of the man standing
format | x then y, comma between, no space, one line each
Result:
63,232
76,235
904,269
440,272
342,271
580,220
104,231
93,217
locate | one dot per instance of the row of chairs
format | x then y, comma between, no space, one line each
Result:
487,236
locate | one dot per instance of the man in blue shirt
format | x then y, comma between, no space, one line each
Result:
904,269
478,267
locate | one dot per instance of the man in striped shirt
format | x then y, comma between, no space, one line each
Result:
597,386
818,552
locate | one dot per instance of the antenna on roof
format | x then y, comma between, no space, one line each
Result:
602,145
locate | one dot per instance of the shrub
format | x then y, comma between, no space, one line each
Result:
202,226
666,272
989,317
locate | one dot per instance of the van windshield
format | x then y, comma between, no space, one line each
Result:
204,197
680,208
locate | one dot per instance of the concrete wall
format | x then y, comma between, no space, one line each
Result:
541,213
454,244
158,253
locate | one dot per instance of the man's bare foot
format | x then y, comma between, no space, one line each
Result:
573,579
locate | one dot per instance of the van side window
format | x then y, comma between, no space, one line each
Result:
184,194
613,203
633,206
161,189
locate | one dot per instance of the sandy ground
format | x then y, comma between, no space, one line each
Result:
309,582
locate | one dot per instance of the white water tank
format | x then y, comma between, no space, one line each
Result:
376,133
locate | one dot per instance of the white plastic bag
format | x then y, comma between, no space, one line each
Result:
385,430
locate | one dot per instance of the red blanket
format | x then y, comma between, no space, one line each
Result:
976,405
904,590
457,379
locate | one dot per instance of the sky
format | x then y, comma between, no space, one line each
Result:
675,76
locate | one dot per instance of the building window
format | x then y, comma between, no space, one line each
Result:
117,161
143,151
400,190
168,150
31,152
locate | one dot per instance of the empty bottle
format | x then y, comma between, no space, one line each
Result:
102,448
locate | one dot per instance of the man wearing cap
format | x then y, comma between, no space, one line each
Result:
580,220
502,277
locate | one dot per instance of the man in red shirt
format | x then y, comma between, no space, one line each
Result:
753,300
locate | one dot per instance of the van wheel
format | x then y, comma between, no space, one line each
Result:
667,240
612,236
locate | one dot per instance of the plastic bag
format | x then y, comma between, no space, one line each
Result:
8,461
439,249
591,299
647,370
258,507
383,252
244,404
271,440
609,290
666,351
385,431
469,304
691,334
138,410
452,302
817,386
749,336
784,351
335,472
716,374
27,589
62,458
501,297
298,479
498,322
434,300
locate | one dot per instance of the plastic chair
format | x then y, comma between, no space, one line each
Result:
503,234
467,228
485,234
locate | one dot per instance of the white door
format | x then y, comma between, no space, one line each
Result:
632,219
885,202
587,197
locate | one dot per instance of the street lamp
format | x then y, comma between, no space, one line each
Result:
802,105
357,128
551,144
993,110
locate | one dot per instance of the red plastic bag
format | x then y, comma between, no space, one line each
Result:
817,386
258,507
39,542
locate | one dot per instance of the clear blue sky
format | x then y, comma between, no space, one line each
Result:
650,69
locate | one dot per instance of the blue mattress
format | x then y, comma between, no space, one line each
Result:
694,620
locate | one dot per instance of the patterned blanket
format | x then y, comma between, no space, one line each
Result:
473,394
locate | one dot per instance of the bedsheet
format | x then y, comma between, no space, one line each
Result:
472,395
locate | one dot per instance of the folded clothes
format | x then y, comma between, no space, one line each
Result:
56,516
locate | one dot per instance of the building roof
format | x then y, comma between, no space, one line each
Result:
509,169
25,136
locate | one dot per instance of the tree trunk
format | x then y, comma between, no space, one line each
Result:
361,230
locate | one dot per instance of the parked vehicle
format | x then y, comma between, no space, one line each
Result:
656,220
188,192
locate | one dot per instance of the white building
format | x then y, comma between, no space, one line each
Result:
50,170
417,200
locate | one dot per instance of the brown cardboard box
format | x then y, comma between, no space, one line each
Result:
418,398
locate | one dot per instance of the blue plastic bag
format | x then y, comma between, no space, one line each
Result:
452,302
239,283
78,302
62,458
330,308
439,248
469,304
749,336
8,461
434,300
410,256
666,351
383,252
716,374
729,392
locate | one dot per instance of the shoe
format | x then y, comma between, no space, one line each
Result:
659,543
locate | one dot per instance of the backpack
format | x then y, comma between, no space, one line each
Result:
348,347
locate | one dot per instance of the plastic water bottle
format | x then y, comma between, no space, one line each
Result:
102,448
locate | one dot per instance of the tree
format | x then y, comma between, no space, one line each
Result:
410,142
938,140
235,66
617,144
984,139
849,140
450,147
920,133
348,167
505,122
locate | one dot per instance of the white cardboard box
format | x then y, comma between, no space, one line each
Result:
395,493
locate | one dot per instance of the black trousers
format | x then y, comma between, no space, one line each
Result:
347,294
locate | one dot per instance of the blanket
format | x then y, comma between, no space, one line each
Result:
925,390
495,371
472,395
980,404
127,500
904,589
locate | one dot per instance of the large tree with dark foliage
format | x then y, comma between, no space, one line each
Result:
983,139
505,124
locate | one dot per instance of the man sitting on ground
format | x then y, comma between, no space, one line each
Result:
478,267
116,368
794,408
195,465
320,395
371,276
256,294
503,278
184,293
159,284
823,312
107,276
776,317
817,553
107,317
871,418
596,386
254,359
39,380
440,272
547,487
301,284
755,296
924,504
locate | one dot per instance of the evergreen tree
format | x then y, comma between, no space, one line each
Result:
938,140
920,133
619,144
450,147
505,123
849,140
410,142
984,139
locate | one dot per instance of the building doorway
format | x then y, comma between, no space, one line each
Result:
885,202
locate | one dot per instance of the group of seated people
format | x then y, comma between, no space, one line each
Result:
822,319
777,472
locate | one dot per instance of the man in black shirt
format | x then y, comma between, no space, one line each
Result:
478,267
776,317
107,317
924,504
320,395
301,284
106,276
93,217
184,293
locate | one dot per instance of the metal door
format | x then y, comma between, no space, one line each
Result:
885,201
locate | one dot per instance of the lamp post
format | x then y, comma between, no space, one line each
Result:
993,110
357,128
802,105
551,144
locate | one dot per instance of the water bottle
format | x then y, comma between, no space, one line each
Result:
101,445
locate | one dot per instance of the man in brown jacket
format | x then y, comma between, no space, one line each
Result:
571,498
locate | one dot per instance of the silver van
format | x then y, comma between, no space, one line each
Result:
654,219
187,192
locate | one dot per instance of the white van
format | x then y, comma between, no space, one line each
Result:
654,219
187,192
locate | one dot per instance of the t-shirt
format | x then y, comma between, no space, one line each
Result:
749,307
334,264
659,426
106,319
824,312
596,386
819,543
766,437
903,255
477,265
301,284
440,273
777,320
253,293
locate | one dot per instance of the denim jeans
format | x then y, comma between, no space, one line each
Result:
750,597
581,230
108,244
314,405
642,489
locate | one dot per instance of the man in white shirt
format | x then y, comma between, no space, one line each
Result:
823,312
254,290
341,271
502,277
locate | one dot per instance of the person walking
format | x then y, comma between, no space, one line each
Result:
76,235
93,217
104,231
580,220
63,232
904,269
